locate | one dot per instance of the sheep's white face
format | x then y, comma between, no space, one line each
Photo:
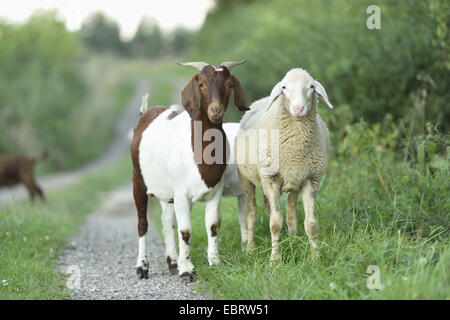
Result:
298,90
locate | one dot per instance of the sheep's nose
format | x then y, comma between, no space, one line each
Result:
298,109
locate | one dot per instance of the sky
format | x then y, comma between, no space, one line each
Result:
167,13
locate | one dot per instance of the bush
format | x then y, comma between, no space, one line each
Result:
373,71
49,99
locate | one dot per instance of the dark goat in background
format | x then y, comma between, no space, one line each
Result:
18,168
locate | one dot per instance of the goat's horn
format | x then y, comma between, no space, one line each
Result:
197,65
231,64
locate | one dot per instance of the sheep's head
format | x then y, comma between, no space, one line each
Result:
299,91
209,91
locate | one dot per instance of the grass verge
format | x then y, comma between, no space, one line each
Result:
33,235
405,236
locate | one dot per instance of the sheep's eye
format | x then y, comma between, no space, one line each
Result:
200,85
284,87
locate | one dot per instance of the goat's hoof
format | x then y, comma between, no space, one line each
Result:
187,277
213,261
142,272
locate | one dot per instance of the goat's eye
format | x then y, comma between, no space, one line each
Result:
200,85
284,87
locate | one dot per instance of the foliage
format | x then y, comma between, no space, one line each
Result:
148,40
372,209
101,34
375,72
49,99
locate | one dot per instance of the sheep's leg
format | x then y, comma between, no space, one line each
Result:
183,211
249,189
310,222
168,224
291,210
266,205
141,201
272,191
212,222
242,205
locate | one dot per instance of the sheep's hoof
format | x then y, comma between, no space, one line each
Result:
142,272
250,248
172,266
315,254
187,277
275,258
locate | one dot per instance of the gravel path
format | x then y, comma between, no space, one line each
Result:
105,251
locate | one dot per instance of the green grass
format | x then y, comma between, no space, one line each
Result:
33,235
402,227
360,225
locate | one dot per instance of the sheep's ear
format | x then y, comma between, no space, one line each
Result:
276,92
320,90
239,95
191,97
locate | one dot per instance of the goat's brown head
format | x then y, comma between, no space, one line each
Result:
209,91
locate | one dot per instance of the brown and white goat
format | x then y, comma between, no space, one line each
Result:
18,168
180,158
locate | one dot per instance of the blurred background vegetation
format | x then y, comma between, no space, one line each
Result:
396,79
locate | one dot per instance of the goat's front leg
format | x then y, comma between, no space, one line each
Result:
168,224
311,229
183,213
272,190
213,220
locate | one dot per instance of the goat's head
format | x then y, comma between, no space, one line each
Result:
209,90
299,91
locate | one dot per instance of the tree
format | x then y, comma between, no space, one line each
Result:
180,40
100,33
148,40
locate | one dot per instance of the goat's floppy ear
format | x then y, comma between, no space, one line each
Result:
191,97
239,95
320,90
276,92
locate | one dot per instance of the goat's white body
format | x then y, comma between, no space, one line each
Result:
167,160
170,173
231,188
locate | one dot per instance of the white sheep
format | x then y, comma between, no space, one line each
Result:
291,142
